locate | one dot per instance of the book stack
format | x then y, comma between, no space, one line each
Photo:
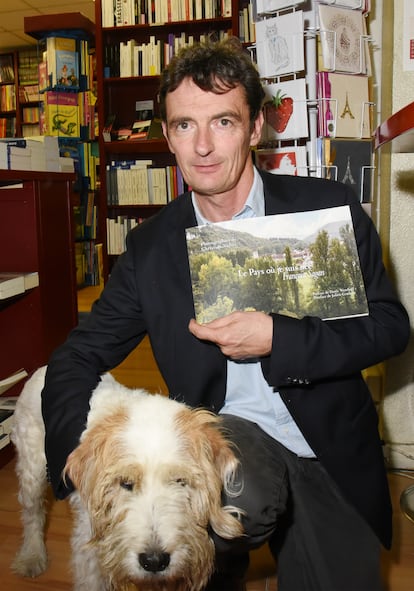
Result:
45,152
10,147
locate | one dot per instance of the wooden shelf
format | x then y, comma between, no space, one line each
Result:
398,129
47,25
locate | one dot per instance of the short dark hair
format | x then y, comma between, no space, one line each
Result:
214,66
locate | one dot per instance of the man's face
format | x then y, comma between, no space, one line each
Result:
210,135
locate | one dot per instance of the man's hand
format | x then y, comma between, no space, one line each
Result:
240,335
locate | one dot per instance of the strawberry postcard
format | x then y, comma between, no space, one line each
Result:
280,45
285,111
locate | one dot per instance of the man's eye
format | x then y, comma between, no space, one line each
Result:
182,125
225,122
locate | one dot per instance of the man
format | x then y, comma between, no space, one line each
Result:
290,390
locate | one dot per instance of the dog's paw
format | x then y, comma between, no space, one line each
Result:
29,563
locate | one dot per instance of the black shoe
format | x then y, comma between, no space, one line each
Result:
225,583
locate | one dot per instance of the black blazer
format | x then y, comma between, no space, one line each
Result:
314,364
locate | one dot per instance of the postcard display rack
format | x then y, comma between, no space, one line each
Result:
316,71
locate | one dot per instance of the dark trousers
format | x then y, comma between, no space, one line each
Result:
319,541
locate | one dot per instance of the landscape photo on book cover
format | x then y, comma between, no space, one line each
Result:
295,264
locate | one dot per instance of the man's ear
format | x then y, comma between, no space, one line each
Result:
165,132
256,133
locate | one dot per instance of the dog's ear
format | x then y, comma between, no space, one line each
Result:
214,455
95,450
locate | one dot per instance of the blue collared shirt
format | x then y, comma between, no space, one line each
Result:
248,395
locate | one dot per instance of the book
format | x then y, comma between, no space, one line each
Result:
61,114
280,45
62,62
285,110
344,108
288,160
295,264
67,68
13,283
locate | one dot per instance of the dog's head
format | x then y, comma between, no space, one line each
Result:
150,475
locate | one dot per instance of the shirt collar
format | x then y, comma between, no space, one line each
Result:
253,207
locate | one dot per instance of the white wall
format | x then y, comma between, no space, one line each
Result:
399,401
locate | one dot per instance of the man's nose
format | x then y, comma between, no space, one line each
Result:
204,143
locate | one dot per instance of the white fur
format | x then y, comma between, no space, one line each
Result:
148,473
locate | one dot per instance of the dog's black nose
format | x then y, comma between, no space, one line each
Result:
154,562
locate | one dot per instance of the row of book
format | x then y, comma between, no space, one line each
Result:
130,58
7,98
29,93
7,127
137,182
6,69
89,263
118,13
67,64
28,66
116,232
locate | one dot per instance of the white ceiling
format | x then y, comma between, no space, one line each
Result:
12,13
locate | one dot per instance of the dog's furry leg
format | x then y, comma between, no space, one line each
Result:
31,559
28,437
87,574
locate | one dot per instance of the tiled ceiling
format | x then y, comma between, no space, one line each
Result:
12,13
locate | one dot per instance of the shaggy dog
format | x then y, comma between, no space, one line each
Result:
148,472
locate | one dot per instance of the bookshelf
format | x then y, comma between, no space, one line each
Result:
36,236
9,114
118,94
67,89
29,99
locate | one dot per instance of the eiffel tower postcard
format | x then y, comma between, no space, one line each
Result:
345,110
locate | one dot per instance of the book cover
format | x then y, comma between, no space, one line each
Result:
295,264
67,68
344,108
54,46
280,45
343,46
285,110
61,114
351,163
289,160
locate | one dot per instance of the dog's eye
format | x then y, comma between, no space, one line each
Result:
127,484
181,481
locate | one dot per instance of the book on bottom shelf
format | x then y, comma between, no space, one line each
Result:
14,283
295,264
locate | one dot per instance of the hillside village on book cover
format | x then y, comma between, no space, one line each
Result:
296,264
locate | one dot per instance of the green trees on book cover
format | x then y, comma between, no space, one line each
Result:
295,264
